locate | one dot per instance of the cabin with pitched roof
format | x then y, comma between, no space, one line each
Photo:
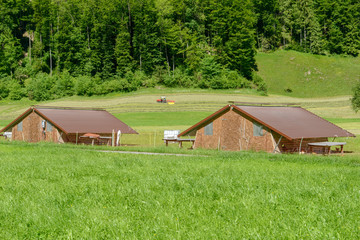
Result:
263,128
75,125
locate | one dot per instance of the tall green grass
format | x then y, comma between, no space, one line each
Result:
57,191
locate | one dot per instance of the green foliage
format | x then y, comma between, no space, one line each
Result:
84,86
109,39
355,100
4,87
178,78
16,92
64,85
39,88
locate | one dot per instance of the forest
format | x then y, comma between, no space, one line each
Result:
55,48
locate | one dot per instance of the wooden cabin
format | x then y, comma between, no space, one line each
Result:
63,125
263,128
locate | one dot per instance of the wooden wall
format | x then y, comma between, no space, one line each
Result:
33,132
234,132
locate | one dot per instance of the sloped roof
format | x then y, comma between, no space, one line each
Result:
290,122
71,120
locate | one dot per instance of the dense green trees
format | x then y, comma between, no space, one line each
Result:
95,47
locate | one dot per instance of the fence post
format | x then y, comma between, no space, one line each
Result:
113,138
155,139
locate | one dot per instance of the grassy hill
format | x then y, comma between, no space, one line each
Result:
305,75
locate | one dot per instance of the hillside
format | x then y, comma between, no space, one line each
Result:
306,75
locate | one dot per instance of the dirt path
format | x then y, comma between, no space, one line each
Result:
152,153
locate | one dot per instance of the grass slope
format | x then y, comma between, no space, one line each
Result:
308,75
53,191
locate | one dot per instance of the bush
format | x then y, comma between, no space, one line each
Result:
178,78
16,92
4,87
64,85
116,85
209,68
40,87
355,100
135,79
234,80
84,86
260,84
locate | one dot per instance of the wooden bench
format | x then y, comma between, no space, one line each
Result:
180,141
326,146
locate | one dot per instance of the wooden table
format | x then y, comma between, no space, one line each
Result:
180,141
326,146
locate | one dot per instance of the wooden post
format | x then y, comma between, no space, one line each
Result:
277,144
154,138
77,134
342,150
113,138
300,145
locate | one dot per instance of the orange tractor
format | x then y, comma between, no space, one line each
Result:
164,100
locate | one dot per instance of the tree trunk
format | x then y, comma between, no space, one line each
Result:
50,49
131,31
30,48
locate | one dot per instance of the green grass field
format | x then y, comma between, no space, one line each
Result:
308,75
51,191
60,191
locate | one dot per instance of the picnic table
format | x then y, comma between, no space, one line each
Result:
180,141
326,146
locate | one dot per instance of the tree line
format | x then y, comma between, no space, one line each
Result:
54,48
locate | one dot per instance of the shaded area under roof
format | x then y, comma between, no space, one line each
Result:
85,121
294,122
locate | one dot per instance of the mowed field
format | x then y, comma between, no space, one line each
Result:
150,119
51,191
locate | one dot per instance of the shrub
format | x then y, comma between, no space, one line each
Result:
64,85
39,88
16,92
260,84
355,100
84,86
234,80
209,68
4,87
178,78
116,85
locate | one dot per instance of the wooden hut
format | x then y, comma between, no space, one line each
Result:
61,125
263,128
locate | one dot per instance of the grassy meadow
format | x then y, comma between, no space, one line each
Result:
50,191
306,75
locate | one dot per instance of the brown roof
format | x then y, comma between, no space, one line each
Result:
290,122
78,120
